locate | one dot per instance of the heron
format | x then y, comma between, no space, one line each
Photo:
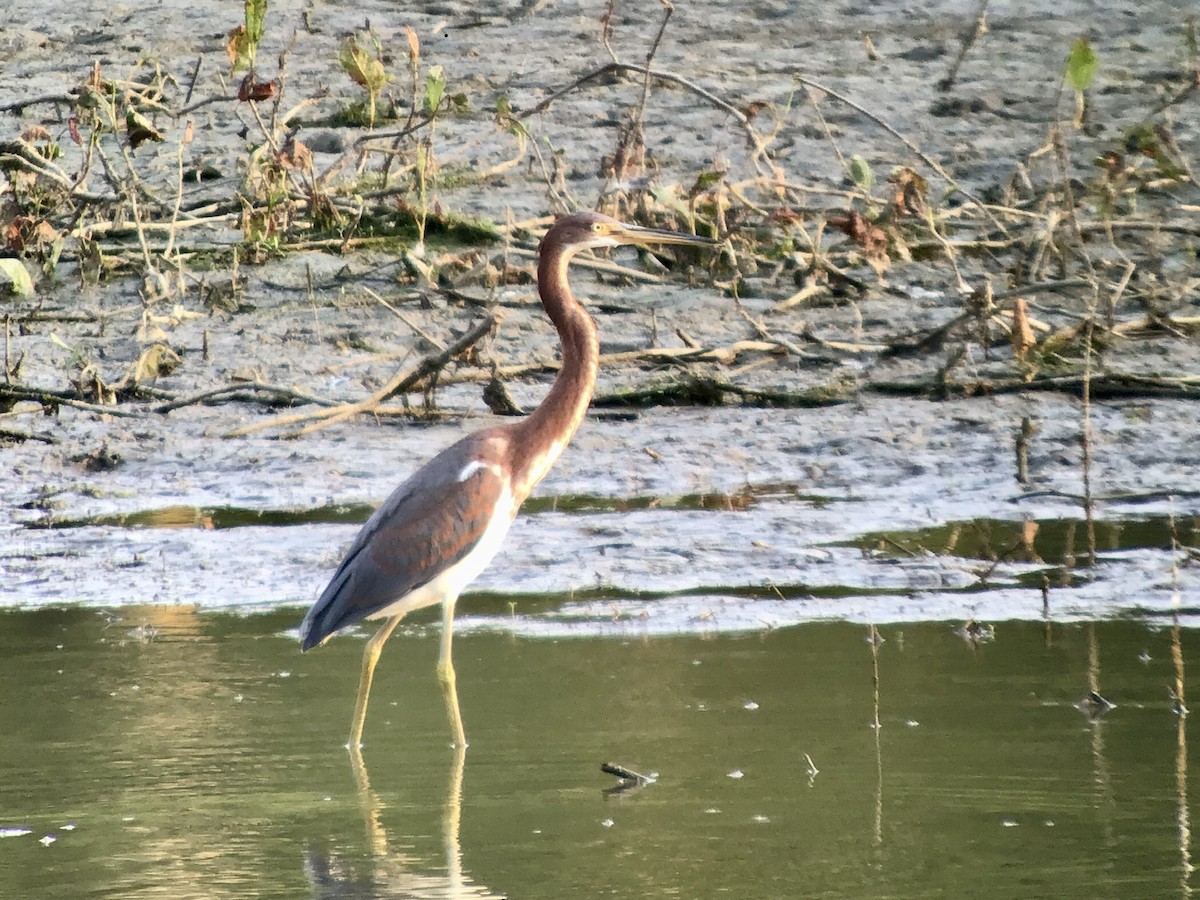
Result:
439,529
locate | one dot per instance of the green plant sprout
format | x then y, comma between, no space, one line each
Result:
365,67
243,41
1080,73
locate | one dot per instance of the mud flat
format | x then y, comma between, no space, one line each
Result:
800,414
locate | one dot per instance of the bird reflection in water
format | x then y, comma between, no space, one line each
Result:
396,874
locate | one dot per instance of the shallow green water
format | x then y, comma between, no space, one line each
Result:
173,753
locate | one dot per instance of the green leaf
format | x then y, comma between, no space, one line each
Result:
1081,65
241,44
256,15
435,88
18,277
363,67
860,172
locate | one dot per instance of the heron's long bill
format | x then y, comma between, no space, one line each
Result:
636,234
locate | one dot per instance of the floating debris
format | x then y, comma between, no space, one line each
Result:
1093,705
736,773
976,633
144,633
630,780
1177,706
15,831
750,705
626,774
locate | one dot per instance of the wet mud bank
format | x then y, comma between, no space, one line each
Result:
867,424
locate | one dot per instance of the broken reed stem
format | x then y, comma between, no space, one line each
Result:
1093,658
51,398
606,29
921,154
226,391
131,193
1062,157
1177,665
614,68
662,27
173,225
744,122
978,30
1089,509
399,383
874,639
811,97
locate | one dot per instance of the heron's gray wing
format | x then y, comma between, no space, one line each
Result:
429,523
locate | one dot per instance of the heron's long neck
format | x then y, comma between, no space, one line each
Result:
540,439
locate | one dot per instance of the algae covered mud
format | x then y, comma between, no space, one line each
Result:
667,521
188,288
662,519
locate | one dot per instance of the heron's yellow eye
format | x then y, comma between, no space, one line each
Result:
597,227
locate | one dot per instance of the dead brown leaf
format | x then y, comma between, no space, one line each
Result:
872,238
909,192
1021,336
35,133
257,91
295,154
414,44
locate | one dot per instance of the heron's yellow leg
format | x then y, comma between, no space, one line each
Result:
445,670
370,658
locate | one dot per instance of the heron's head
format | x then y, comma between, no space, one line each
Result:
591,230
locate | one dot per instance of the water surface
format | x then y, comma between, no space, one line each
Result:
176,753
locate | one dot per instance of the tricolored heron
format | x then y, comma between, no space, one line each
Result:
440,528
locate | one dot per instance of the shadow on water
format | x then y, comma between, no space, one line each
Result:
218,517
1034,540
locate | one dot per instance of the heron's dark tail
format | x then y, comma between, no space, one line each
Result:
328,614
